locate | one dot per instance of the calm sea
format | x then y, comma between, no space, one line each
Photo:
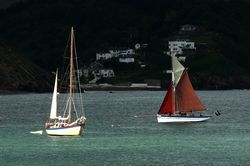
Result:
122,130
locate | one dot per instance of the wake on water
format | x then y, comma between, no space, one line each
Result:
39,132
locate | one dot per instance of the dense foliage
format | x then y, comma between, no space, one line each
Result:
39,29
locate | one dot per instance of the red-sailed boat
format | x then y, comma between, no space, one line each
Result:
181,101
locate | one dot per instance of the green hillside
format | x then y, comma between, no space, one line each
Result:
38,30
18,74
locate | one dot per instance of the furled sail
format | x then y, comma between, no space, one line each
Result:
177,69
186,98
53,110
168,104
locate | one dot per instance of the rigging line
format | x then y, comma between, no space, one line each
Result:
75,109
63,107
78,77
66,107
64,55
63,77
76,97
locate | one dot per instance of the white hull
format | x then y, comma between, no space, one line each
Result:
171,119
67,131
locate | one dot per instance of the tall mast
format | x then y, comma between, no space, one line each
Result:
71,71
173,80
172,66
71,61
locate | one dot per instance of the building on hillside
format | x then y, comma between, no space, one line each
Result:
104,56
127,60
114,54
85,72
179,45
188,27
126,52
106,73
94,66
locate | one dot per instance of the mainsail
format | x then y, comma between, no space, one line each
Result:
168,104
53,110
186,98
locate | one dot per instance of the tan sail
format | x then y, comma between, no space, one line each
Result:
186,98
177,69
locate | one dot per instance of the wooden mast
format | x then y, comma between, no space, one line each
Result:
71,71
173,82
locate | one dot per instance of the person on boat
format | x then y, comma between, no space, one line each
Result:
217,113
47,125
81,121
182,113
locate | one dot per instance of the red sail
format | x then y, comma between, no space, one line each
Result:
168,106
186,98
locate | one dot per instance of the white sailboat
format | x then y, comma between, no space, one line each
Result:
68,103
181,100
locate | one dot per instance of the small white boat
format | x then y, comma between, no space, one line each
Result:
39,132
181,101
68,103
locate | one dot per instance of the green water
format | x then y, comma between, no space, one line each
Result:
114,136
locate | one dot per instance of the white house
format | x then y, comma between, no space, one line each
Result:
104,56
106,73
127,52
188,27
179,45
127,60
114,53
